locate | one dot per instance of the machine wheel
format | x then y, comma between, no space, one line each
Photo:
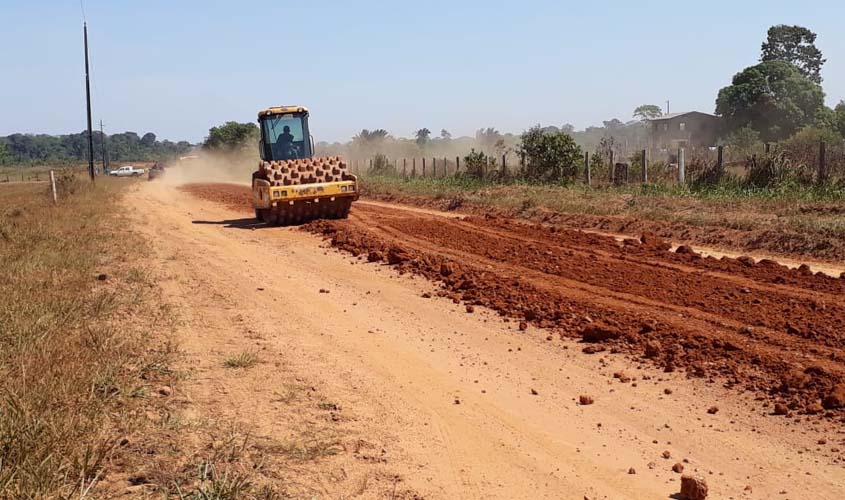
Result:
260,214
341,210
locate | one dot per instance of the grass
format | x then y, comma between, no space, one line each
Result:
728,205
75,355
243,360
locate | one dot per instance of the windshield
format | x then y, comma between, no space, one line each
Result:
285,137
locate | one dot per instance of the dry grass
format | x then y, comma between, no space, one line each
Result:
808,213
76,359
245,359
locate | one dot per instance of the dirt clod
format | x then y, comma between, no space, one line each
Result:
678,468
585,399
594,333
693,487
713,410
835,399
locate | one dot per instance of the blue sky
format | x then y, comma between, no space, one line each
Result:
177,68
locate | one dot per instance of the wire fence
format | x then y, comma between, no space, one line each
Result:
765,164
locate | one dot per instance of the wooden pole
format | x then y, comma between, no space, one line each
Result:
88,106
720,159
423,172
457,164
404,166
434,167
681,167
53,184
645,167
587,165
504,164
822,162
611,167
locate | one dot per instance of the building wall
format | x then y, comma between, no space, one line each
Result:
691,130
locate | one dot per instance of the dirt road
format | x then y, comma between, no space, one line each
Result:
453,404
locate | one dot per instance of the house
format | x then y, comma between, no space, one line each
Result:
684,130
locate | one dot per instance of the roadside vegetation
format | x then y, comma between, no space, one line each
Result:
82,344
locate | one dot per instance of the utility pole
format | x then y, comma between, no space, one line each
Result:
103,146
667,107
88,105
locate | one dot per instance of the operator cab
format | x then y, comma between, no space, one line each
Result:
284,133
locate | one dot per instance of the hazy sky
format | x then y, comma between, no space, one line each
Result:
177,68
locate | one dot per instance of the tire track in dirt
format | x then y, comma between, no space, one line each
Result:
757,325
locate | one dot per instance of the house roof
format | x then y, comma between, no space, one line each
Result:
675,115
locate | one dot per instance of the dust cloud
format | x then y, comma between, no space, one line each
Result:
210,167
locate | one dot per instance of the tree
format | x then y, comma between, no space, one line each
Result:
487,138
550,155
613,125
371,137
742,141
149,139
839,118
422,136
231,136
648,112
445,135
5,157
795,45
773,98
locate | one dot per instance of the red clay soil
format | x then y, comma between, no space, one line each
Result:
780,241
754,326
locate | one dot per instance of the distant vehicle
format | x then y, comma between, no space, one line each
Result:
127,171
156,171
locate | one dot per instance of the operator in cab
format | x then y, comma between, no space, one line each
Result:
284,144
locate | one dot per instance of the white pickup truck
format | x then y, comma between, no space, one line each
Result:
127,171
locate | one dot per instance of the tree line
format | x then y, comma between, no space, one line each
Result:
72,148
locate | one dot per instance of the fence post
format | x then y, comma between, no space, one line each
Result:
414,167
53,183
681,167
645,167
504,164
822,162
768,148
457,164
423,172
434,167
720,159
445,167
404,166
371,164
612,167
587,165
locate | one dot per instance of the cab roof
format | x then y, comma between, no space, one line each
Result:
279,110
